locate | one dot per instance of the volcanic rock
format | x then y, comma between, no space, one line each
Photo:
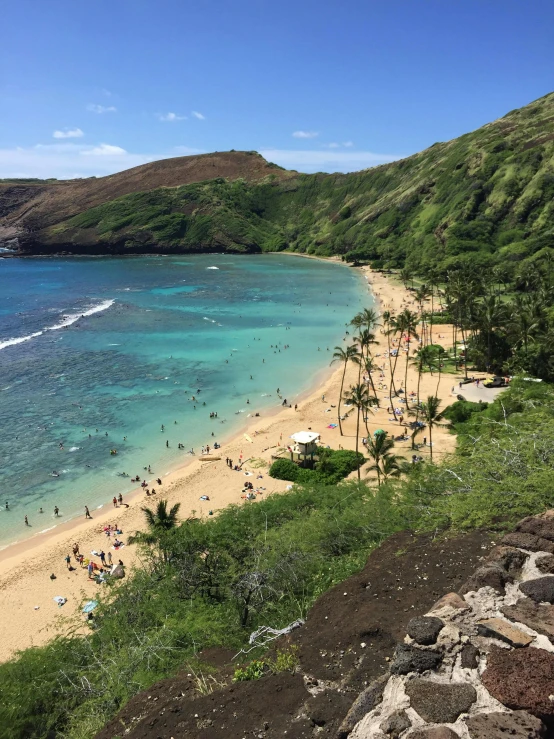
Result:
542,527
510,558
395,724
424,629
538,617
545,564
450,602
528,541
364,703
470,656
434,732
540,590
518,725
440,703
411,659
500,629
493,576
521,679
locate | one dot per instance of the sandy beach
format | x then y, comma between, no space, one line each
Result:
28,614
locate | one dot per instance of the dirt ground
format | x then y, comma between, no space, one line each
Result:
401,579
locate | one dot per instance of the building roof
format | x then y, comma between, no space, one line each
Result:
305,437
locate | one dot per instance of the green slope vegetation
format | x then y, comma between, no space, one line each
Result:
212,582
486,197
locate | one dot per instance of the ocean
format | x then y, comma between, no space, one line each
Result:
97,353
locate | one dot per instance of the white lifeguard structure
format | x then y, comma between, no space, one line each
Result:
305,443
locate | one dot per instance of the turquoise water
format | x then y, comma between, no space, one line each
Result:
95,350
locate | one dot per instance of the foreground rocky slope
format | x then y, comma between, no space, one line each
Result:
476,664
486,197
347,642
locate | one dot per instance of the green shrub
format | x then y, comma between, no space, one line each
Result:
284,469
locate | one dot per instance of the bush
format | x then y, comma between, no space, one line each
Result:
284,469
462,410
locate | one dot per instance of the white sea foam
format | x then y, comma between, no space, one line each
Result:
212,267
67,320
74,448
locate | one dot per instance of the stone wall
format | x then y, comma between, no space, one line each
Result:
480,663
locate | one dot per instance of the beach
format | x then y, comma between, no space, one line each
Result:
28,613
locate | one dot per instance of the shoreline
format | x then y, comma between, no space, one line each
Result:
181,467
25,567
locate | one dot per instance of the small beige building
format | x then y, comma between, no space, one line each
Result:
305,443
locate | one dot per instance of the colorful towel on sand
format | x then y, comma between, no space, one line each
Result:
332,426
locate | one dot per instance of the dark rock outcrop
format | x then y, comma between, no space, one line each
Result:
440,703
545,564
528,541
364,703
425,629
412,659
540,590
493,576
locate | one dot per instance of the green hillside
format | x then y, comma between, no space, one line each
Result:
487,197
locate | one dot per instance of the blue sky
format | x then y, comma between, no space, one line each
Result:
90,88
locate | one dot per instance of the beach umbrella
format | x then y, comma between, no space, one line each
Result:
90,606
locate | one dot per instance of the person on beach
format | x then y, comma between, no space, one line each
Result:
102,556
27,521
68,562
56,511
120,499
7,506
110,558
114,501
76,550
87,512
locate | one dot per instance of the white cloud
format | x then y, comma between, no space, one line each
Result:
172,117
305,134
348,143
94,108
333,146
70,159
198,115
318,160
103,150
68,133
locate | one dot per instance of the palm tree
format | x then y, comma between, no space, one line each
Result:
409,329
358,396
159,522
350,354
406,276
392,465
378,446
491,314
432,417
370,366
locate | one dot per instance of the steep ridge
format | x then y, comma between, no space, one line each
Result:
485,198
